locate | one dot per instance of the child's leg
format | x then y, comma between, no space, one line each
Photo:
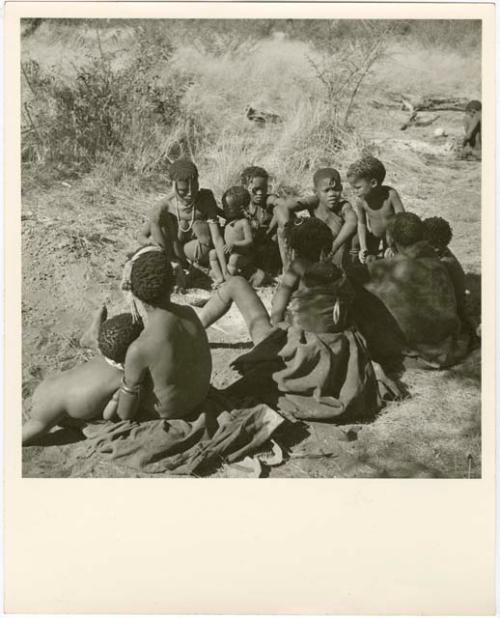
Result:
284,248
253,311
89,338
216,270
236,263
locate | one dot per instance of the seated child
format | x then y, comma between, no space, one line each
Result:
259,212
185,223
438,233
376,205
172,350
472,128
84,392
336,212
237,235
317,359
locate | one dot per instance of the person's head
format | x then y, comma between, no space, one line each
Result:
184,175
255,180
152,278
234,201
473,107
328,186
311,240
322,273
116,334
437,232
406,229
366,175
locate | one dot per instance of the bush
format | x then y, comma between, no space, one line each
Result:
104,112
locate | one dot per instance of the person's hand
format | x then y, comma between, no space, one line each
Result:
228,248
363,254
389,253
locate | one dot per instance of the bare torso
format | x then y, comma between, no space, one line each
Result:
175,347
81,392
233,232
379,211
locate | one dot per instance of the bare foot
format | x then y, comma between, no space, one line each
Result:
89,338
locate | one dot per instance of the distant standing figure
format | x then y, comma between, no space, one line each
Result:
237,235
472,128
376,205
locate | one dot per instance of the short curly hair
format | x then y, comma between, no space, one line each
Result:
326,172
151,277
367,168
437,232
322,273
473,106
241,197
406,228
249,173
116,334
310,238
183,169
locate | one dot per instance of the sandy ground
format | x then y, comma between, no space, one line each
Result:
75,239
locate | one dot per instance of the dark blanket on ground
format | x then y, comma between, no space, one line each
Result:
220,432
314,376
408,305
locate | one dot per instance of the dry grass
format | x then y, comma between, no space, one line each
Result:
76,235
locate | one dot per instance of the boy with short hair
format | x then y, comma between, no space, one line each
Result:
84,392
172,349
237,235
376,205
185,223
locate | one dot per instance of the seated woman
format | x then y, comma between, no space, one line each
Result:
416,291
307,352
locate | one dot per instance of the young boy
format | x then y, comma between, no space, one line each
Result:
438,233
172,350
472,128
84,392
376,205
259,213
237,235
185,223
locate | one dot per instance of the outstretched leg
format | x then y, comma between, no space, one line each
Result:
238,290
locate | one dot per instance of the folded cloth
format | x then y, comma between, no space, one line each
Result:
318,376
185,447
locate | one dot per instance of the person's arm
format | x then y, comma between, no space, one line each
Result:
282,296
129,397
247,239
152,230
361,215
347,231
272,224
396,202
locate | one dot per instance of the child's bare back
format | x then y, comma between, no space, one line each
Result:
175,350
84,392
172,351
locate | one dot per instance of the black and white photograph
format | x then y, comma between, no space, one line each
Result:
251,248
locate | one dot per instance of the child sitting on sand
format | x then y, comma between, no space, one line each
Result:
237,235
172,350
316,357
438,233
376,205
185,223
84,392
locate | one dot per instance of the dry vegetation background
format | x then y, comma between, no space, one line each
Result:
107,103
